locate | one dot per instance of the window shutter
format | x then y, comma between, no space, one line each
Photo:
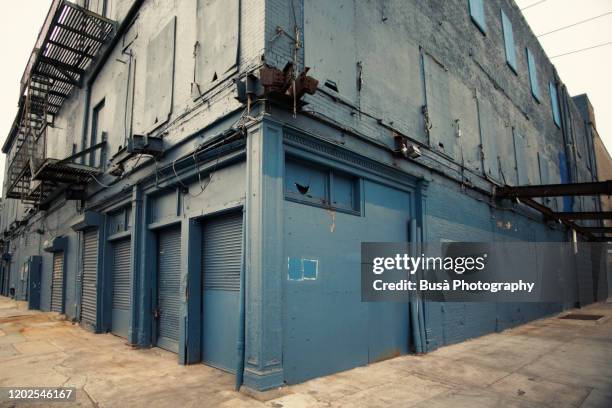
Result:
509,41
554,103
533,75
477,14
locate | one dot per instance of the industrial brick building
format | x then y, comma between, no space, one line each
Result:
176,176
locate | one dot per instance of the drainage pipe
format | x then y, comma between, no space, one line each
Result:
240,343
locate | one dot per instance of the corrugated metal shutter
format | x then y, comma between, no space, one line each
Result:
57,283
122,287
221,253
90,277
168,298
221,260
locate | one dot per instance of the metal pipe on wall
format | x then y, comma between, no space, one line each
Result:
240,343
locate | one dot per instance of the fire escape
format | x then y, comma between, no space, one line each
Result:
68,42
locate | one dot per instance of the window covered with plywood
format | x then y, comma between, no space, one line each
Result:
216,48
329,38
160,76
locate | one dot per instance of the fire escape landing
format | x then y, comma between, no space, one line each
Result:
68,42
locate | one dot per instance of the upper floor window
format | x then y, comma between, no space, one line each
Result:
509,41
533,75
478,15
554,103
97,6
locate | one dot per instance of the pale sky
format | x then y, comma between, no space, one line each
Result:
584,72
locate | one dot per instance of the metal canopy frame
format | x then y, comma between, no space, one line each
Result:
526,195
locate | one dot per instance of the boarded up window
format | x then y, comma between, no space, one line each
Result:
122,106
491,128
392,85
391,82
554,103
531,156
520,149
160,76
544,165
217,40
533,75
466,134
441,131
330,44
509,41
507,160
477,14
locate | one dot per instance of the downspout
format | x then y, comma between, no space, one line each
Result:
420,301
125,24
240,343
415,326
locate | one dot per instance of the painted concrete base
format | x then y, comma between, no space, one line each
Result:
550,362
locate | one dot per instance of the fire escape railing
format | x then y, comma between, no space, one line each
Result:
68,42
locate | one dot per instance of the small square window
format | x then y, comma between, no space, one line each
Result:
305,182
344,189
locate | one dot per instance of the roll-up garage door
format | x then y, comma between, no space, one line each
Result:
57,283
221,259
168,288
90,278
122,287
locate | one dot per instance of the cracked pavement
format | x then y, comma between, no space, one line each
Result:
550,362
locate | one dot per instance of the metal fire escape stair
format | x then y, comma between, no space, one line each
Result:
68,42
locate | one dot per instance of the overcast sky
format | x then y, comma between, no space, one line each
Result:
583,72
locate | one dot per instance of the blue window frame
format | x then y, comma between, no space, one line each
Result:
509,41
477,13
309,183
533,75
554,103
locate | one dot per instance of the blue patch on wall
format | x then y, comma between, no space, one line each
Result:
302,269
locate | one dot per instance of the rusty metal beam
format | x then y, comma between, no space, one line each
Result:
556,190
587,215
550,214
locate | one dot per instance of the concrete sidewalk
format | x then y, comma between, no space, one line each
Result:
547,363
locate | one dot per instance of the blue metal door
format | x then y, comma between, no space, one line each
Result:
89,292
57,283
221,256
34,282
168,288
326,326
122,287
